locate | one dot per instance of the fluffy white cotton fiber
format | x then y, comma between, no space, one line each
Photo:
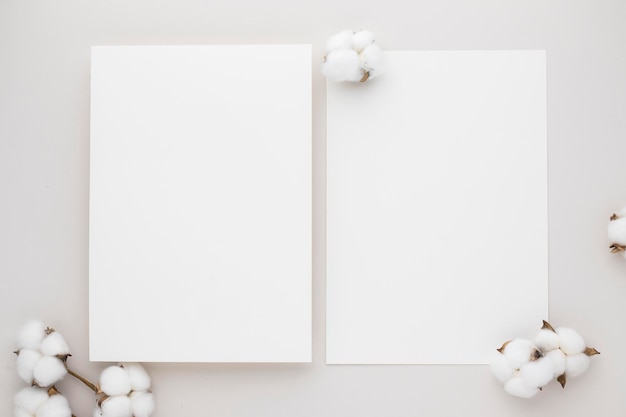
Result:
118,406
570,341
518,352
30,399
576,365
139,378
114,380
352,57
31,334
48,371
56,406
516,387
547,340
142,404
500,367
25,364
54,344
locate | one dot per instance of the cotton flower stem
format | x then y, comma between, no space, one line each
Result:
366,75
591,351
84,380
562,379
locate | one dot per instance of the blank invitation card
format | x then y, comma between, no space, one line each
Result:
437,208
200,204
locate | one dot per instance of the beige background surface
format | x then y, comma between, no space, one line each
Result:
44,168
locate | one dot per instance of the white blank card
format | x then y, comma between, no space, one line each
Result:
437,208
200,204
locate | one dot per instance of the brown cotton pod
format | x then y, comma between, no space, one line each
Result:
589,351
547,326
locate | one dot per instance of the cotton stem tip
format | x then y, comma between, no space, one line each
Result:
562,379
615,248
589,351
613,217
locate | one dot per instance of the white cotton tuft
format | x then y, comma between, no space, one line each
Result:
516,387
118,406
139,378
341,40
547,340
362,39
342,65
97,412
557,357
25,364
518,352
31,334
54,344
576,365
20,412
142,404
371,60
56,406
570,341
30,399
617,231
48,371
115,381
537,373
500,367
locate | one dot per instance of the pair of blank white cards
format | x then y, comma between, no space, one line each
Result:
201,211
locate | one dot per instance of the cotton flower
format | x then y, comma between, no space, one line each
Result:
41,402
352,56
126,389
41,354
525,367
568,351
520,366
617,232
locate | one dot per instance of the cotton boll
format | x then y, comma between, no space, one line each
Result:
115,381
139,378
516,387
118,406
361,39
48,371
56,406
31,335
25,364
576,365
54,344
500,367
537,373
518,352
547,340
558,358
21,413
30,399
142,404
570,341
341,40
371,60
342,65
617,228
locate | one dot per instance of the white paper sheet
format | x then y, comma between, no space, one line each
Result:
437,208
200,206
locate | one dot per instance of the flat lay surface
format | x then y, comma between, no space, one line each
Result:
44,182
